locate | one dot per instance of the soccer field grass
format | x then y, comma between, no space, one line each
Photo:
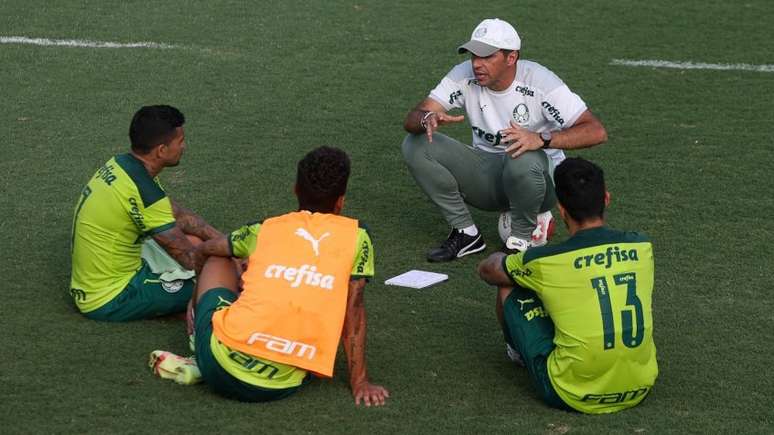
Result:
688,162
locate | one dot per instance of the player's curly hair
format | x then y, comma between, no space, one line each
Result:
152,126
321,179
580,188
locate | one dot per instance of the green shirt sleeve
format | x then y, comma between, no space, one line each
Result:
157,218
242,241
520,273
363,266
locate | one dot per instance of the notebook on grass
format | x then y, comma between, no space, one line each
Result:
417,279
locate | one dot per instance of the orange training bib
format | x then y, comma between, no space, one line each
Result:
294,300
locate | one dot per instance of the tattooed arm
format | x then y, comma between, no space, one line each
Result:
217,246
354,335
193,224
177,245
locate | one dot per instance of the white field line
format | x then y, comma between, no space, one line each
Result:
80,43
694,65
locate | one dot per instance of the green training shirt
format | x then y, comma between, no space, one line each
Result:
259,371
597,288
118,208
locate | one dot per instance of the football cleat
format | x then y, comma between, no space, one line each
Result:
167,365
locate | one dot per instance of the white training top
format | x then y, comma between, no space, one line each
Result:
537,100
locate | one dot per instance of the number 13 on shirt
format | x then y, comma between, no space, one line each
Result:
632,322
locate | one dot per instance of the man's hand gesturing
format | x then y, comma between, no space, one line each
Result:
432,120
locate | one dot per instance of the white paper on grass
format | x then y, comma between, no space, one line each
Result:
417,279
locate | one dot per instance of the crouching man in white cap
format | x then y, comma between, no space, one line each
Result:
521,115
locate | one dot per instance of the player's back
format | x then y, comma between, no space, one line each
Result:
597,289
113,214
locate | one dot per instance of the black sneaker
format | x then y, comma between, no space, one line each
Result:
457,245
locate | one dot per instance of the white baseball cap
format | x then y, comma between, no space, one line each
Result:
491,35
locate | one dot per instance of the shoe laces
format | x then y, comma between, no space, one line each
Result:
455,240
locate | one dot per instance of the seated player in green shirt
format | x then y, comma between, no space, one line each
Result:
133,249
578,314
305,280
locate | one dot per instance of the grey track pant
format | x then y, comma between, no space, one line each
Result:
453,174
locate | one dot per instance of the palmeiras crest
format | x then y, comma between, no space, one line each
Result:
521,114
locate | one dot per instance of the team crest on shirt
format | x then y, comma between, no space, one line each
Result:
172,286
521,114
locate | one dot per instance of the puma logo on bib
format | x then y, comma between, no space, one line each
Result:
304,234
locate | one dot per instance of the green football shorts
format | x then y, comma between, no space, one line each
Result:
531,332
146,296
213,374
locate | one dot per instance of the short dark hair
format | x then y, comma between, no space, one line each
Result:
322,178
152,125
580,188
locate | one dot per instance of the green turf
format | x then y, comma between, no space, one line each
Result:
688,162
